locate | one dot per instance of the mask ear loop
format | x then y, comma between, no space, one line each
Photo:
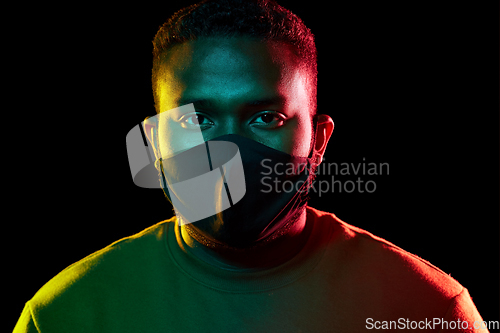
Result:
159,166
313,141
311,159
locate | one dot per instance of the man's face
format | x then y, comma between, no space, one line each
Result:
238,86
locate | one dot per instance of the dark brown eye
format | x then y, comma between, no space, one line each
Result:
267,118
195,120
198,119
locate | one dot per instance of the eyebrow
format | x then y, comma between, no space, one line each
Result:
280,100
204,103
210,103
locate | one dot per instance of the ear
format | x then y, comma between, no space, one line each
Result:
324,131
150,126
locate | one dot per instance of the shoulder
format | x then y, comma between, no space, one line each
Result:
377,264
102,271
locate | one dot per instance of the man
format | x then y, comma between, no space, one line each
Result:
243,73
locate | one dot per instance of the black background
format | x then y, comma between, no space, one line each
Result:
412,85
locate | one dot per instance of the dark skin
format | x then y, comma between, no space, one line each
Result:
238,86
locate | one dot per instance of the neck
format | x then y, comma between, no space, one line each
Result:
279,247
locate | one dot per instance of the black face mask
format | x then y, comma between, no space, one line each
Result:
240,203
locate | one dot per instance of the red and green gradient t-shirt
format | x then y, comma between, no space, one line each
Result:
344,279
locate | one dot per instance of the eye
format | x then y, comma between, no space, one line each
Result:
195,120
269,119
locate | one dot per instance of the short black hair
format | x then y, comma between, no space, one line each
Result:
265,20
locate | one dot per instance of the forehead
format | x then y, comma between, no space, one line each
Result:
228,70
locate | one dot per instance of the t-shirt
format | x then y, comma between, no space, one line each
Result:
344,279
